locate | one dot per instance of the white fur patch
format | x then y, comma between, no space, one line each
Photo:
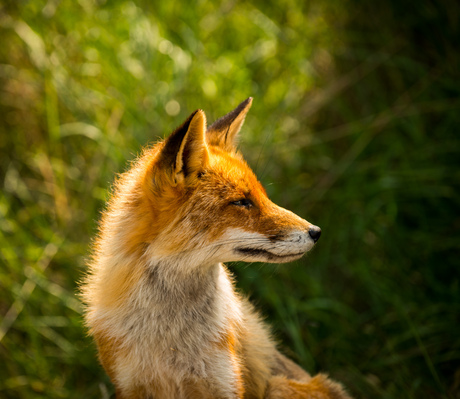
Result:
240,245
164,339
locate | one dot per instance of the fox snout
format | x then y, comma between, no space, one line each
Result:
313,233
295,235
279,244
300,240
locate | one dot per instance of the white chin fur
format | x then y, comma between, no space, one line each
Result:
240,245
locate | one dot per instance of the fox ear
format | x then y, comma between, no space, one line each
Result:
224,130
185,151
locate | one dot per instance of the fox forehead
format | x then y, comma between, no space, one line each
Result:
231,170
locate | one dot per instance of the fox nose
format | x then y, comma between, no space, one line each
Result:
314,232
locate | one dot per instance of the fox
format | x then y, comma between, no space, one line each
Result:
160,302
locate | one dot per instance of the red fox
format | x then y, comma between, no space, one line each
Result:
160,303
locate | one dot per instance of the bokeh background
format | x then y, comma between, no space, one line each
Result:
354,126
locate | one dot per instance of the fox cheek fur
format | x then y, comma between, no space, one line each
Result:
161,306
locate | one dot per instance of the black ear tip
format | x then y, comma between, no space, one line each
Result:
245,105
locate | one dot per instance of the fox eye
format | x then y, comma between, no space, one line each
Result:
243,202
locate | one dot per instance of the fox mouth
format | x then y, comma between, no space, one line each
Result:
268,256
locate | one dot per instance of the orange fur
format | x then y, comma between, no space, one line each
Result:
319,387
161,305
229,342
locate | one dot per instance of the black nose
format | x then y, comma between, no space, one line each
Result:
314,232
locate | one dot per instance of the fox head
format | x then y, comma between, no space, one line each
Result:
197,198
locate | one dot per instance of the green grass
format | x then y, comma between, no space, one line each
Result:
354,126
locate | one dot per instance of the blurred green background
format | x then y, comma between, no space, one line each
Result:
354,126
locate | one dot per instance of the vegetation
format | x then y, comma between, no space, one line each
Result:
354,127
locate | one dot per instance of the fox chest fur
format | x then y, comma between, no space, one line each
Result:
161,305
171,336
